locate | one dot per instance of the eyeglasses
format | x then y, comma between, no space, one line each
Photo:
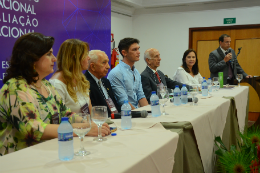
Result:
156,58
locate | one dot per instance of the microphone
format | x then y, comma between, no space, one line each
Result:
227,52
189,100
239,50
135,114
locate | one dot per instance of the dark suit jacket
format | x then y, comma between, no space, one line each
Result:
97,98
217,64
150,81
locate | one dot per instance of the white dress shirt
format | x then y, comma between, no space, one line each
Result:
224,51
66,98
183,77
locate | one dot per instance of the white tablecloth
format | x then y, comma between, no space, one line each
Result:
208,119
149,150
148,147
241,97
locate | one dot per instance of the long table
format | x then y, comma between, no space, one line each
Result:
223,115
186,146
187,156
129,151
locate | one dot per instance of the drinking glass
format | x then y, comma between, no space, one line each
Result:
210,87
99,116
81,124
239,78
194,91
200,80
171,93
215,82
164,95
161,91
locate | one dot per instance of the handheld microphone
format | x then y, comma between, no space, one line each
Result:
134,114
227,52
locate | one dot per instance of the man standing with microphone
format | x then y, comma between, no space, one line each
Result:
224,59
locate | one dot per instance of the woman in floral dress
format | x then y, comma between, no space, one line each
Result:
30,107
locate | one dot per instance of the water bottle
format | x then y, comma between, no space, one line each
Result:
154,99
209,84
126,117
202,80
65,140
177,96
184,94
204,88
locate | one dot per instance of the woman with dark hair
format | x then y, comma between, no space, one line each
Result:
30,107
188,73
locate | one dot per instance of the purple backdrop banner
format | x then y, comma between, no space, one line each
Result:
87,20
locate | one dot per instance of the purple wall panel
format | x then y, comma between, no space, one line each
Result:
87,20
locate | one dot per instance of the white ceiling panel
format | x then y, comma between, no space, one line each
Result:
133,7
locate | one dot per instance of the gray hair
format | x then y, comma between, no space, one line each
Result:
94,55
147,54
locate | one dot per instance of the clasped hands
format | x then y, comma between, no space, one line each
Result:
94,130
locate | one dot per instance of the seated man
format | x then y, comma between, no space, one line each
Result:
124,78
151,76
101,93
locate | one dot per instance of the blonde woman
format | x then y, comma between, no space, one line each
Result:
69,80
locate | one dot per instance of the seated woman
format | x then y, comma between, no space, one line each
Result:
29,103
69,81
188,73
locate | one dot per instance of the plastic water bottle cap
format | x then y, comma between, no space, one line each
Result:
176,86
209,78
113,134
64,119
203,77
184,85
204,81
153,92
126,101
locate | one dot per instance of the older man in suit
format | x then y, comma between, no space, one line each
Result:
151,76
224,59
101,93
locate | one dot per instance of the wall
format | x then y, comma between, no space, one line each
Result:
121,27
86,20
169,33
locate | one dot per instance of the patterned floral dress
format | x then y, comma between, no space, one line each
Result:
25,113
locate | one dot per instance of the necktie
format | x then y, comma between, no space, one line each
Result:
158,77
100,88
230,73
99,83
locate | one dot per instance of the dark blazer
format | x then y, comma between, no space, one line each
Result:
150,81
217,64
97,98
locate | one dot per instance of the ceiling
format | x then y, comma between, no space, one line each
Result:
162,3
132,7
